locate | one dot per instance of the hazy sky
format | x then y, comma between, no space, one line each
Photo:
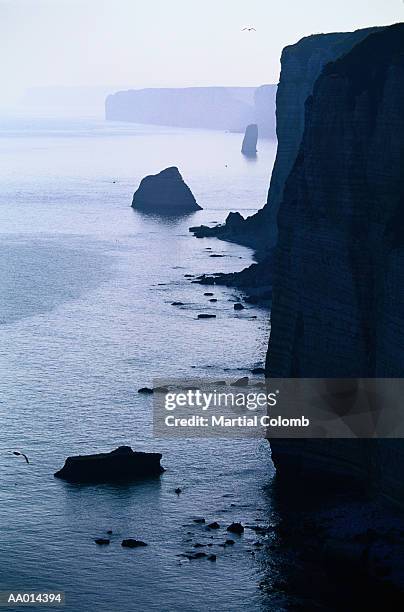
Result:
143,43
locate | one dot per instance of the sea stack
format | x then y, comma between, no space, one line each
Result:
249,146
165,193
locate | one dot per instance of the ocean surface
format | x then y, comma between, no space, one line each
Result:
86,285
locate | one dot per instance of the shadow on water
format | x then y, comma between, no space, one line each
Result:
121,488
315,553
167,219
250,157
93,498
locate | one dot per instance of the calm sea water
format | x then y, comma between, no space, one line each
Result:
86,285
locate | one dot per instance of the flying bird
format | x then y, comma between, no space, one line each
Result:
18,454
249,29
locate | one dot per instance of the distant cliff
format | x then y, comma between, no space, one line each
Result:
221,108
338,288
264,110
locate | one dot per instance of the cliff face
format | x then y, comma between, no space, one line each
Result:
338,289
301,64
223,108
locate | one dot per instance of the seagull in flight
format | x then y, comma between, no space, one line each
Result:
18,454
249,29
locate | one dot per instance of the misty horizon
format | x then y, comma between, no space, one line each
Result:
130,45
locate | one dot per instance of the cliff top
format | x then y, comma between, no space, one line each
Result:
327,40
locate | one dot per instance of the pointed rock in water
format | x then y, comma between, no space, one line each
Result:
165,193
132,543
145,390
238,306
214,525
249,146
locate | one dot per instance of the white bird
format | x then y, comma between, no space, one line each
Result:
249,29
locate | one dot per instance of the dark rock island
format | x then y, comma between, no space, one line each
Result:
249,146
165,193
121,464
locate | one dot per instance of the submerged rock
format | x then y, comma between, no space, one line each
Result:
122,464
165,193
102,541
197,555
240,382
258,370
132,543
206,316
160,389
249,146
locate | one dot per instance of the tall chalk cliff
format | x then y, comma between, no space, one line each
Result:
338,290
301,64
